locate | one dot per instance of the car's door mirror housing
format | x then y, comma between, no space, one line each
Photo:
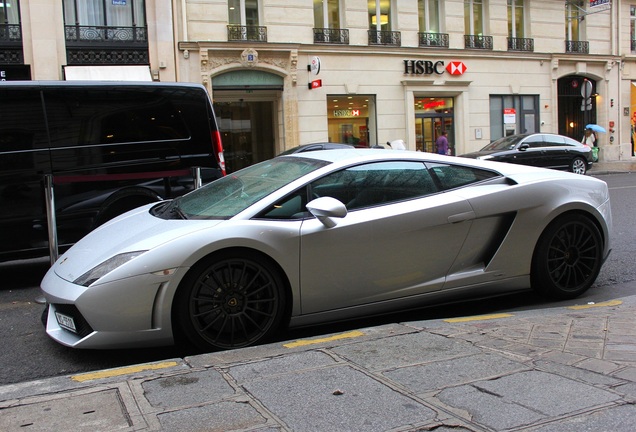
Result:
326,209
524,147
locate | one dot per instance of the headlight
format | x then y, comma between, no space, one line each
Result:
484,157
106,267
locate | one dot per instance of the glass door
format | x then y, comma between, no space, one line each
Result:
429,127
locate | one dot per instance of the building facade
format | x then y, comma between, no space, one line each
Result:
362,71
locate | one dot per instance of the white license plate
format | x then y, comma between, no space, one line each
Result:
66,322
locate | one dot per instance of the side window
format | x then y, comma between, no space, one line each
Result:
454,176
554,141
535,141
88,116
289,208
22,124
376,184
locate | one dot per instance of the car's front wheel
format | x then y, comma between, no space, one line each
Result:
230,300
568,257
578,166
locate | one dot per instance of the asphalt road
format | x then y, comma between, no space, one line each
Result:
28,354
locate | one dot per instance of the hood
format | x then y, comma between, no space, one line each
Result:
475,155
136,230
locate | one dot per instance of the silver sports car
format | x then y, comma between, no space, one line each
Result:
323,236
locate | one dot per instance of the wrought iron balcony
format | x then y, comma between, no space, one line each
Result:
246,33
520,44
393,38
77,35
10,34
581,47
331,36
478,42
433,40
11,44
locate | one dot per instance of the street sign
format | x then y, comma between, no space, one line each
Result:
315,84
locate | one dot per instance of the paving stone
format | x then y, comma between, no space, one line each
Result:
437,375
339,398
216,417
187,389
280,365
620,418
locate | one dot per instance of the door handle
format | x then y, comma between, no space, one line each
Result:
461,217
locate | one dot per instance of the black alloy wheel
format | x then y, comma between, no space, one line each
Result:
230,301
568,257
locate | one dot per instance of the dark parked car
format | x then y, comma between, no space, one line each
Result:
540,150
316,146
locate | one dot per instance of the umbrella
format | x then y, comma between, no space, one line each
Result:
595,128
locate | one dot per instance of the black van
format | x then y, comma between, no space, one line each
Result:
102,148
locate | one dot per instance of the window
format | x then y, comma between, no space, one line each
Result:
351,119
573,19
474,17
515,19
380,15
9,12
107,13
243,12
632,26
429,16
524,120
377,183
454,176
326,14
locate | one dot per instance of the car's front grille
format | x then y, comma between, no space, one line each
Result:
81,325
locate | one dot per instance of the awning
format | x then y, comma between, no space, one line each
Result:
107,73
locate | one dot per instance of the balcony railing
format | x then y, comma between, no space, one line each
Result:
105,35
331,36
377,37
10,34
478,42
246,33
520,44
433,40
581,47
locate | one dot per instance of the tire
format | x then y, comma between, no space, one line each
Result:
229,300
578,166
568,257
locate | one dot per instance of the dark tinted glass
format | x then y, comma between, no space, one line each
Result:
453,176
22,124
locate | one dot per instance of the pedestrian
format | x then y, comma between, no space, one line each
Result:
442,143
589,139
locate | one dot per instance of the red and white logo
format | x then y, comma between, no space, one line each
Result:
456,68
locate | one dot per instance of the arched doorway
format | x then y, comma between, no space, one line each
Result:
245,104
574,112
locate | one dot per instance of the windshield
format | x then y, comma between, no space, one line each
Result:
505,143
230,195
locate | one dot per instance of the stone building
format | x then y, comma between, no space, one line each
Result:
284,73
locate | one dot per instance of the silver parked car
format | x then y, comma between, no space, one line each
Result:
322,236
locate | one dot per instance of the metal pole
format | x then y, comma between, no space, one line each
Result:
196,173
50,217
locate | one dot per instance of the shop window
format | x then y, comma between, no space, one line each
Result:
511,115
351,119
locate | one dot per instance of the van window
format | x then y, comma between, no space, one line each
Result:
22,124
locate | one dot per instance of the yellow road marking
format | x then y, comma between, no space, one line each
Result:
478,318
593,305
305,342
122,371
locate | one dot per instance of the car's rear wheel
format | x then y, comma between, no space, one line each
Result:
230,300
568,257
578,166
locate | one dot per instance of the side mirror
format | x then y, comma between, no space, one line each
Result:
327,208
524,147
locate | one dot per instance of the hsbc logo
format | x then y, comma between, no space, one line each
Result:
456,68
427,67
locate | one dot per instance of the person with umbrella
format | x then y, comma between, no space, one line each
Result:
589,139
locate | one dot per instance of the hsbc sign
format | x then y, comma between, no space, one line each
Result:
427,67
